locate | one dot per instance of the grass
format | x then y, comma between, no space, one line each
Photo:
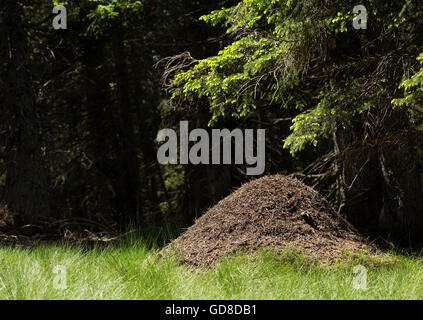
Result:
133,270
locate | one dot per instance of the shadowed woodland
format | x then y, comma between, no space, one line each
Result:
81,109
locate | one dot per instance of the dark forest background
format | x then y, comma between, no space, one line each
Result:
81,108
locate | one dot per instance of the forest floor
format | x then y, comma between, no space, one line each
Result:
133,269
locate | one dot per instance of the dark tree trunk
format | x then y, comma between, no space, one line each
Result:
358,185
101,146
402,213
26,186
127,170
380,189
145,94
113,143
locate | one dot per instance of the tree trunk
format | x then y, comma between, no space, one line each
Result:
402,213
102,145
26,185
379,181
127,170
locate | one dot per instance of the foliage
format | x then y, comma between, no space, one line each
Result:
413,94
294,54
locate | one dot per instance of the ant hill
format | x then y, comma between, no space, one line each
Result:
273,212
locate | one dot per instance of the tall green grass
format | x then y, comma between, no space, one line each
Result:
132,269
